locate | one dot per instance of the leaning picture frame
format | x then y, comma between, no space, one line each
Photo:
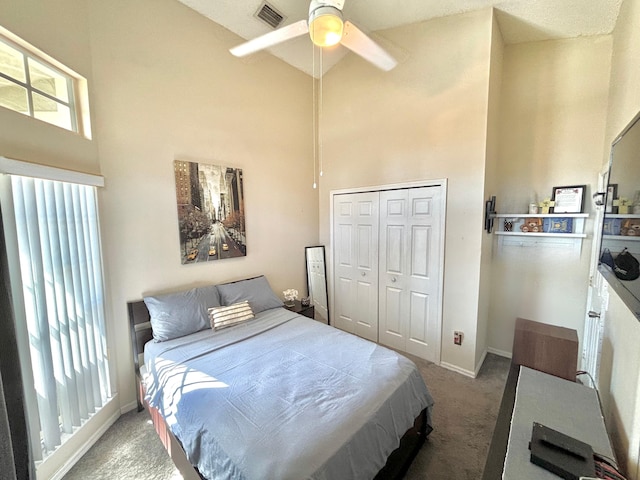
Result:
569,199
612,193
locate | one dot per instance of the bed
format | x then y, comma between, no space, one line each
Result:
274,394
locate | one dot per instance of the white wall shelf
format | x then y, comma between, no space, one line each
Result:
625,238
616,225
547,234
553,215
516,237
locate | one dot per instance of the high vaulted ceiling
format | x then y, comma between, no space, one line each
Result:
520,20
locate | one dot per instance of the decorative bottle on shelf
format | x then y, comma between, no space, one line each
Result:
635,209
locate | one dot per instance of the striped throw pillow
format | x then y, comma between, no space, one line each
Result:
222,317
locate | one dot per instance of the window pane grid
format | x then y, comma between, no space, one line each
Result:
14,96
47,80
11,62
60,260
50,92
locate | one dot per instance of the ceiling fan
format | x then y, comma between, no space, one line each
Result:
326,28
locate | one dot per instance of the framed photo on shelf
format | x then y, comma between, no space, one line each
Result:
568,199
612,193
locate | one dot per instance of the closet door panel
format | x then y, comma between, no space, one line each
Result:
408,268
356,263
393,321
345,298
418,312
393,247
345,291
420,242
423,280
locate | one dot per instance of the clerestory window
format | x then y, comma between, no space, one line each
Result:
35,85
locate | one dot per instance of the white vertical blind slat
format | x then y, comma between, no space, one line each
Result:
60,247
35,307
89,356
97,297
68,267
82,368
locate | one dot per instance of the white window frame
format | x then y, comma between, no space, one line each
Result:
78,102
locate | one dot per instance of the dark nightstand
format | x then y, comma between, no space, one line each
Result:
308,311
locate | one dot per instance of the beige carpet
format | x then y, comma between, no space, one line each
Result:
464,415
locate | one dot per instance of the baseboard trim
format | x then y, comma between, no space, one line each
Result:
501,353
78,453
457,369
480,363
128,407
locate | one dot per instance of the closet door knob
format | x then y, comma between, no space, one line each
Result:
362,273
393,279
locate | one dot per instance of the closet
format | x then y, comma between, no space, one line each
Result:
387,266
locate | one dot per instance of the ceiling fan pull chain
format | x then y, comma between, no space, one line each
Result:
320,146
314,137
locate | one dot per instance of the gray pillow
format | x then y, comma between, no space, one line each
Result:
209,297
178,314
255,290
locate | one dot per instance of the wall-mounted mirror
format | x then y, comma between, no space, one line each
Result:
621,224
317,282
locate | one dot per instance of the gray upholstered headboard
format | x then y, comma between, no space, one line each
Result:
140,331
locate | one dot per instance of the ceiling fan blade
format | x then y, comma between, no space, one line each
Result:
270,39
356,41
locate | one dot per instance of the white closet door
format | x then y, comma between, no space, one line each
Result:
355,230
410,251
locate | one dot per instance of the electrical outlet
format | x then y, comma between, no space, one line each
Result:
457,337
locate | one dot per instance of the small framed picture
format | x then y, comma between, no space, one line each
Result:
612,193
568,199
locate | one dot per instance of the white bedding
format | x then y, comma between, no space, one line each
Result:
284,397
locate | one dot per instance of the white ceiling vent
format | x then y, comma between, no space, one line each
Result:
269,15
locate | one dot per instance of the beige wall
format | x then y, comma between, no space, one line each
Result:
167,88
426,119
620,364
554,99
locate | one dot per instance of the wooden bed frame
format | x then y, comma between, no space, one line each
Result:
140,328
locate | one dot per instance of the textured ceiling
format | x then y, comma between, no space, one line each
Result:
520,20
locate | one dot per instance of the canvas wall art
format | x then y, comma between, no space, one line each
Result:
210,202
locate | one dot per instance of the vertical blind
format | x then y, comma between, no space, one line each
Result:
61,268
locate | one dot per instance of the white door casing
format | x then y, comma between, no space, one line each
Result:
597,296
355,230
409,306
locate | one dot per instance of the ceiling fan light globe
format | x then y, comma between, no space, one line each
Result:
326,26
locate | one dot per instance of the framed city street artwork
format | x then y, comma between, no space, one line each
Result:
210,200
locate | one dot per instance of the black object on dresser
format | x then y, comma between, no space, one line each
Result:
307,311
